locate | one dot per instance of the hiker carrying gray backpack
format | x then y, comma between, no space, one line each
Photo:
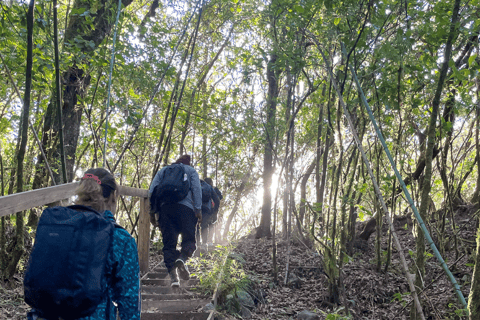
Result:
177,215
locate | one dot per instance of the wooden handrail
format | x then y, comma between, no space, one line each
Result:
36,198
133,192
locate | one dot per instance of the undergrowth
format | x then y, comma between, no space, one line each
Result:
221,271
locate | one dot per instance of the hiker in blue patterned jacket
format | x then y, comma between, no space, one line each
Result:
97,190
176,197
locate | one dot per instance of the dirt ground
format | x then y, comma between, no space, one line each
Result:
370,294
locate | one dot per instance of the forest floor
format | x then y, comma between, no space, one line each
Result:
371,294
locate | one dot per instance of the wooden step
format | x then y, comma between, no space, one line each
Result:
156,275
172,296
167,282
164,270
162,302
168,290
159,275
175,316
171,306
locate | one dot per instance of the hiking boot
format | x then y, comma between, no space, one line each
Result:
182,269
175,283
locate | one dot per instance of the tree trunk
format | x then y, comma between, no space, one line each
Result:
425,198
476,194
235,206
303,189
474,297
58,87
19,248
379,216
319,147
321,191
3,236
268,168
199,84
76,80
158,160
287,192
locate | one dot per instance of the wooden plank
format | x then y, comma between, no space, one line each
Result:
211,316
35,198
173,305
156,275
149,296
167,282
161,275
168,290
132,192
144,234
175,316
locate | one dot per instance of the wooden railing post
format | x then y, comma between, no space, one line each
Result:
144,234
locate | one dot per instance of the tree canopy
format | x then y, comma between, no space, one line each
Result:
243,87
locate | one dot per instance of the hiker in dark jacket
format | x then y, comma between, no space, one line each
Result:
179,218
214,229
209,213
97,189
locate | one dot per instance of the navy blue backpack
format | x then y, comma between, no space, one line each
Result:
206,191
66,276
172,188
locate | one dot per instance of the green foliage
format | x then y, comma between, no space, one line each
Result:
337,315
400,297
396,51
223,268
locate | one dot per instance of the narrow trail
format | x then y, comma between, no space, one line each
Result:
160,301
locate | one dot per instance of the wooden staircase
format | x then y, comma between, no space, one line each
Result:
160,301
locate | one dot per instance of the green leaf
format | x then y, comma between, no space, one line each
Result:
299,9
471,60
337,21
239,9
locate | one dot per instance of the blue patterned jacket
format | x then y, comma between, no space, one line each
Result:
124,280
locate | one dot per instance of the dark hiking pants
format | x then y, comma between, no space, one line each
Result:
206,227
176,219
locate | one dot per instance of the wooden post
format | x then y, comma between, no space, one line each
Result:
143,243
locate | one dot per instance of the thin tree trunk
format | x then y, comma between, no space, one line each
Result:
3,236
426,187
57,93
235,206
180,95
158,160
268,168
323,181
303,189
23,134
474,297
76,79
319,147
379,215
199,84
